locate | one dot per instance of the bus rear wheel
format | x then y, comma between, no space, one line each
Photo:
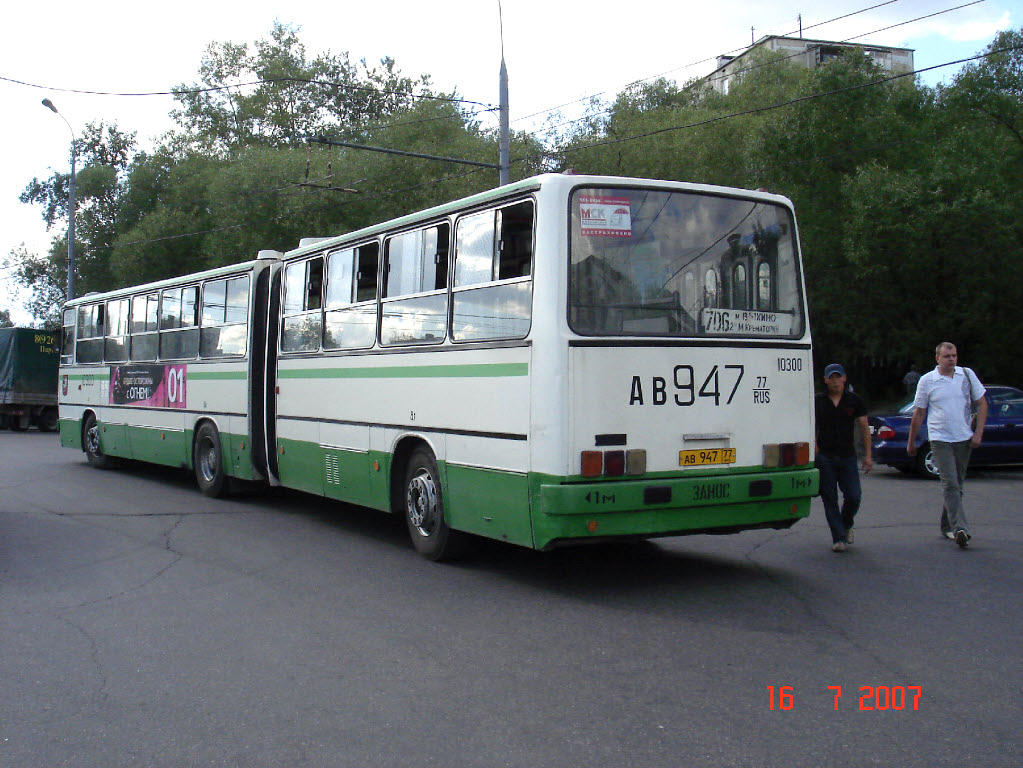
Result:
90,444
424,508
208,460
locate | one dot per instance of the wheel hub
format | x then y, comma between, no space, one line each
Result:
421,502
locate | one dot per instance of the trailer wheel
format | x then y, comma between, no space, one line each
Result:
90,444
207,458
48,419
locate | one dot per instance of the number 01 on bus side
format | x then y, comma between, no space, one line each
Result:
706,456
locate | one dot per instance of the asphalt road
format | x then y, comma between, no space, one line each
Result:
142,624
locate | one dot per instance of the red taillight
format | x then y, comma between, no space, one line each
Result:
885,433
788,455
592,463
802,453
614,463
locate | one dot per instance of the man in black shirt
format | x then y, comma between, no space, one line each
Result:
838,410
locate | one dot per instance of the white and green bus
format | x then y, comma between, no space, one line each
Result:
559,360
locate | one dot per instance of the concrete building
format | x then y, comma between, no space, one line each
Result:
806,53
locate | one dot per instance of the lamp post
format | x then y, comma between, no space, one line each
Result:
71,206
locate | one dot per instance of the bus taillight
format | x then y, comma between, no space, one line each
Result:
613,463
786,454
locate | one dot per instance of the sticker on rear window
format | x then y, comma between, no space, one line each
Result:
605,216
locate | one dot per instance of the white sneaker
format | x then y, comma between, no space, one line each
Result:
849,536
838,546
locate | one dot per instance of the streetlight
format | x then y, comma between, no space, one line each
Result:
71,206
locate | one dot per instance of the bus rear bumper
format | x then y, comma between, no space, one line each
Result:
570,512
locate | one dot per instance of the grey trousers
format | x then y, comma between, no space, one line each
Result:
952,459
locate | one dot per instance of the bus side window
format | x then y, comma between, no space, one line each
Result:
303,297
67,340
515,241
89,344
224,328
143,326
116,346
348,325
367,264
493,262
179,323
414,300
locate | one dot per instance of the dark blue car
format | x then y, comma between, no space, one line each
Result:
1002,444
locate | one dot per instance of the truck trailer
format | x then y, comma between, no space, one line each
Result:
29,363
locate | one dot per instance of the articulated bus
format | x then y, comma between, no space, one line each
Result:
559,360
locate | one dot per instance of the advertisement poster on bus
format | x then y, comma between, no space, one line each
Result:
605,216
161,386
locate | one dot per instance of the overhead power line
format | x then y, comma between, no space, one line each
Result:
746,47
798,54
261,81
719,118
809,97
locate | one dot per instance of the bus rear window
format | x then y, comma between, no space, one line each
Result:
682,264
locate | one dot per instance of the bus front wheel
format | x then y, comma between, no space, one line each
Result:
207,459
424,508
90,443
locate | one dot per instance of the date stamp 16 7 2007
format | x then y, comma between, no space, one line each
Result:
871,697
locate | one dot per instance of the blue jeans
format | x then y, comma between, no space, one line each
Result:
839,472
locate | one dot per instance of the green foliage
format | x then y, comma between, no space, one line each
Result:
276,95
46,276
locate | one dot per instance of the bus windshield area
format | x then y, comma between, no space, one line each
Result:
681,264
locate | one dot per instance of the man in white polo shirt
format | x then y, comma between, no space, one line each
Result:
946,396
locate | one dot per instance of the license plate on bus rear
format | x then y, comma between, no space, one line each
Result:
706,456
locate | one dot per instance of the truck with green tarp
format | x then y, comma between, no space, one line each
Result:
29,361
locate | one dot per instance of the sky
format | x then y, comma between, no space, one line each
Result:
558,54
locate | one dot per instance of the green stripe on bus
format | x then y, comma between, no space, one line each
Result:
481,370
194,375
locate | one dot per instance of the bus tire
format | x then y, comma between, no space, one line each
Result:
424,508
21,423
208,461
90,443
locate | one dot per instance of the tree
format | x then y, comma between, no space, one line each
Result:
277,95
991,90
5,319
44,279
105,152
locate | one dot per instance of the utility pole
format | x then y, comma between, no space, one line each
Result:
70,205
504,159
